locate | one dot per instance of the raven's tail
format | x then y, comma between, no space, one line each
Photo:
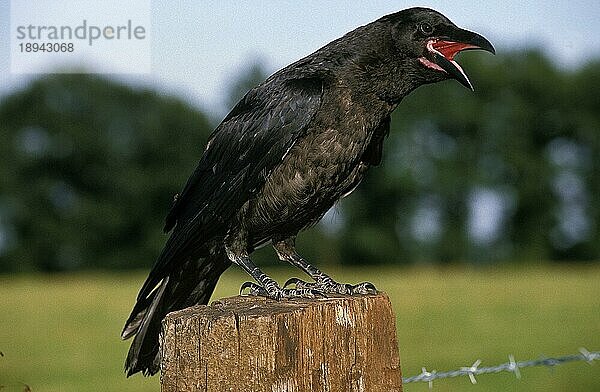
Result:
191,283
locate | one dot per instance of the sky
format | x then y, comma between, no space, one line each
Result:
199,47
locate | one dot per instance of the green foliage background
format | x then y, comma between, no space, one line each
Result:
90,167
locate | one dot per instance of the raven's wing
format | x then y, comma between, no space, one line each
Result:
250,142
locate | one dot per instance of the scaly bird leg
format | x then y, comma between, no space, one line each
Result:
286,250
266,287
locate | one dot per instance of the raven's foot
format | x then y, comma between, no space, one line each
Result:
330,286
273,291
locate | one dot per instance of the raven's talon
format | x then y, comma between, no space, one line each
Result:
255,290
364,288
300,284
277,293
299,292
293,281
318,293
329,286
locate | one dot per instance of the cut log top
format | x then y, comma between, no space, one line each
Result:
255,344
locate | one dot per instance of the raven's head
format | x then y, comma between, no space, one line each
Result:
430,40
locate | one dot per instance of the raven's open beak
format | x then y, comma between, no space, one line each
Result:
441,52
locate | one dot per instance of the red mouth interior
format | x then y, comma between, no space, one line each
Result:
449,49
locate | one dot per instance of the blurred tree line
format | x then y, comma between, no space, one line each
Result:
510,172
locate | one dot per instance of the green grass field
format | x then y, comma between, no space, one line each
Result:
61,333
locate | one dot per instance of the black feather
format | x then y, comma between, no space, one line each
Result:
290,149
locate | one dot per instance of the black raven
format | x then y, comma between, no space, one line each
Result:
292,147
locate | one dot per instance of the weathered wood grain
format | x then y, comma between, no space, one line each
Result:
254,344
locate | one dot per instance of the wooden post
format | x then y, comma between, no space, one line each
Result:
254,344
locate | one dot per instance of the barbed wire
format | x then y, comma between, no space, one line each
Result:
511,366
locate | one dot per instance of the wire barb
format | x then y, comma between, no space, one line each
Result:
589,357
511,366
428,377
471,371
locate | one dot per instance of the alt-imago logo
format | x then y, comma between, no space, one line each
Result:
80,36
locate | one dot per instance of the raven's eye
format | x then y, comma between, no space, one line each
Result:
425,28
